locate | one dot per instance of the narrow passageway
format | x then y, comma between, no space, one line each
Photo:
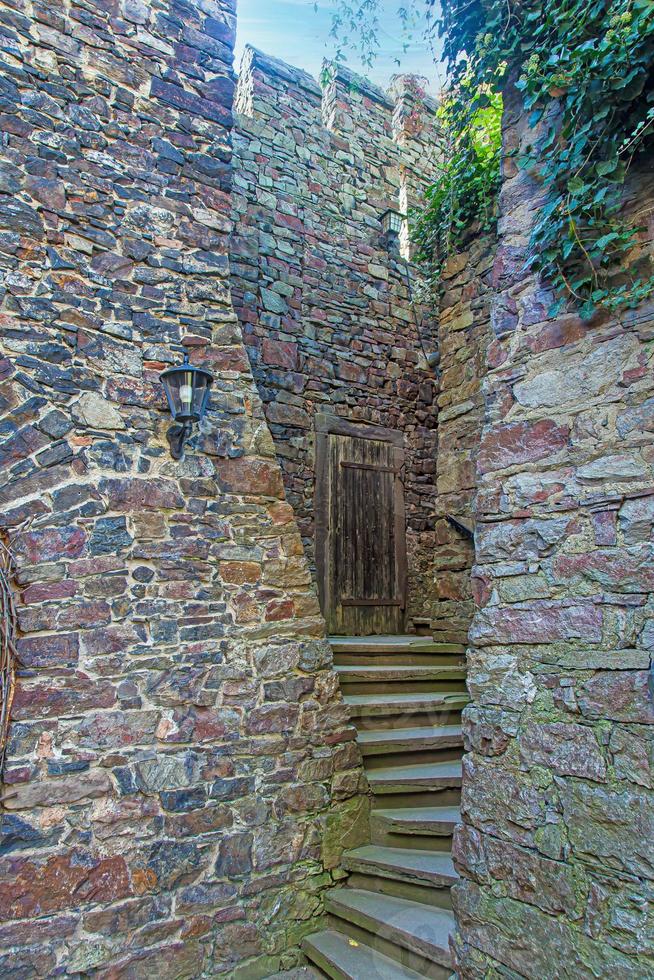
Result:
394,917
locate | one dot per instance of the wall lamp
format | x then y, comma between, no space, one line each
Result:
187,391
392,223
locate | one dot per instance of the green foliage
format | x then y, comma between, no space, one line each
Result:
464,192
586,72
585,69
357,24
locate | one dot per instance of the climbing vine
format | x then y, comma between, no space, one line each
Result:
585,69
464,194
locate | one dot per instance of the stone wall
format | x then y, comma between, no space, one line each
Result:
463,339
326,311
558,803
181,773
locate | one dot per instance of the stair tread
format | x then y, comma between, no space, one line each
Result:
426,733
401,672
414,816
391,643
417,927
298,973
418,770
416,776
410,698
352,959
403,863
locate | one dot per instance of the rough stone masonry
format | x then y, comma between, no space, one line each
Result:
464,334
327,310
181,773
556,848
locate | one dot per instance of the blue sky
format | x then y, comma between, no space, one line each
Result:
295,32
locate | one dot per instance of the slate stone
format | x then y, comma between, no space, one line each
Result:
17,834
96,412
110,536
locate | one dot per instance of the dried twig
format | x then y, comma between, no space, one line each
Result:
7,649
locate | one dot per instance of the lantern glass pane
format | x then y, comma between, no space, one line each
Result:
187,394
392,222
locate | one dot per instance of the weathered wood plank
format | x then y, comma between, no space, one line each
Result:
360,530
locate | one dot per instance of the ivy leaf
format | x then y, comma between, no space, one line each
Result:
556,307
605,240
605,167
588,310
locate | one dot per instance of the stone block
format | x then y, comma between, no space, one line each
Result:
346,826
612,826
272,718
51,650
527,876
134,494
95,412
568,750
41,886
516,443
621,695
68,789
234,856
542,622
52,544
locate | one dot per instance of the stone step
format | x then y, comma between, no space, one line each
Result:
420,929
429,776
392,644
385,674
298,973
428,821
390,651
416,659
378,705
384,678
344,958
387,740
432,868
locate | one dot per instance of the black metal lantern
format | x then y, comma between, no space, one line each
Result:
187,391
392,223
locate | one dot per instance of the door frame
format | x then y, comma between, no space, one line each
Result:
326,425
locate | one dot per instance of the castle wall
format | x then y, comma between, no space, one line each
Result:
558,806
326,312
464,335
181,774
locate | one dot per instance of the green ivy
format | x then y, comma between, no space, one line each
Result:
585,69
464,193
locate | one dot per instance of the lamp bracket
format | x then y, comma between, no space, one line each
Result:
177,436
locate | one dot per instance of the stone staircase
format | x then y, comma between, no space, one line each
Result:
393,919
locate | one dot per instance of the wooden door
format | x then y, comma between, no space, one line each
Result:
360,527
